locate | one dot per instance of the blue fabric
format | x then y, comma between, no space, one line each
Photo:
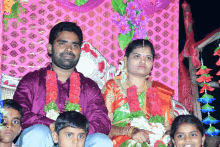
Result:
40,136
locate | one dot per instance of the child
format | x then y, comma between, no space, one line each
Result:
11,123
187,131
71,129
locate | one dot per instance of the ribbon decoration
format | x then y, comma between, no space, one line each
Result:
150,8
88,6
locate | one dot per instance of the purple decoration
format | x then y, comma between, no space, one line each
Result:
132,7
88,6
116,19
139,34
124,27
149,8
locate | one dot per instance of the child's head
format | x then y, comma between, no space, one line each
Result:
187,131
11,121
71,129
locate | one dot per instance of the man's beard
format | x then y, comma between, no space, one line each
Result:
64,63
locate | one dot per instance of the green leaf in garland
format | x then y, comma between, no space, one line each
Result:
217,49
203,67
206,75
72,107
157,119
119,6
207,96
136,114
80,2
50,106
124,40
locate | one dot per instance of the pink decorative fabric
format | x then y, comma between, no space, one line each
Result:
88,6
24,43
1,41
150,8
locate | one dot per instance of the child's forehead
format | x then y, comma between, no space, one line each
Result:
72,130
11,112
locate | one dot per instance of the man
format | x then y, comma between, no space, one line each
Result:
59,88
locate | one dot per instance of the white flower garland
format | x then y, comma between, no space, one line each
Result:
157,128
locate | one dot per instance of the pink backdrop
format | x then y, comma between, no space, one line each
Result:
24,43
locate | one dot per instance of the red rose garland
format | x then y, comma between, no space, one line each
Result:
72,102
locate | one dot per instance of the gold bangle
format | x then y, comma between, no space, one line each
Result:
130,131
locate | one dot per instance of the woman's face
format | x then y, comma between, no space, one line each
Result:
187,135
140,61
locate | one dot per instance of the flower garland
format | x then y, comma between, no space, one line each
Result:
72,102
206,99
131,21
156,120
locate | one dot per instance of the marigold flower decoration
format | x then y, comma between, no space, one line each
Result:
131,22
11,9
206,99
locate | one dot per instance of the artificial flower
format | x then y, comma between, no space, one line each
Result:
205,100
143,19
218,73
124,28
132,7
218,62
116,19
207,87
7,4
207,108
204,77
210,120
203,70
139,34
217,51
212,131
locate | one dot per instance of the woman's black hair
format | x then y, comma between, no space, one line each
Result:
13,105
71,119
65,26
186,119
139,43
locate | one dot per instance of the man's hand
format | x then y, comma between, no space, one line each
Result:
140,135
52,127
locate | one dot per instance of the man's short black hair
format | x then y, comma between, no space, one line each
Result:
65,26
13,105
71,119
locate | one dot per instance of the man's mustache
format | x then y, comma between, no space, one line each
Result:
68,53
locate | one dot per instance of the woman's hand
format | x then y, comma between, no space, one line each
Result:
140,135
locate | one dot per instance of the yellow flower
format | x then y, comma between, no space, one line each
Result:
7,4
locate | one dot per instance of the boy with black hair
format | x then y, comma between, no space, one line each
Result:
71,129
11,123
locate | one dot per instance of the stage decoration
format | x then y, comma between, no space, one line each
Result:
206,99
81,5
131,22
150,8
72,104
217,53
156,120
11,9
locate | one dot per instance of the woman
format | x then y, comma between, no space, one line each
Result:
187,130
134,92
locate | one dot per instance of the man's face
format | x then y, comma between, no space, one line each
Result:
70,137
65,50
12,127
